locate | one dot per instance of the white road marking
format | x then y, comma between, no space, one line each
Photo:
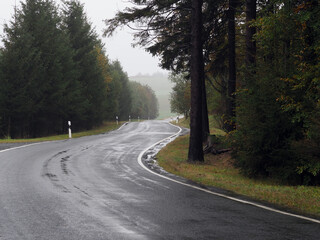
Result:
32,144
23,146
126,123
215,193
188,185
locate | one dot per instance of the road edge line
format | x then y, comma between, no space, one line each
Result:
32,144
124,124
23,146
215,193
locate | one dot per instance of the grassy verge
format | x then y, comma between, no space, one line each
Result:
105,127
186,124
218,171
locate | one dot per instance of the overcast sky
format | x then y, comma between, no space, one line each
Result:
133,60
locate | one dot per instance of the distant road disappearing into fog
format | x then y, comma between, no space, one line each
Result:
93,188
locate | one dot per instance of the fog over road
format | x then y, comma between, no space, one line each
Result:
94,188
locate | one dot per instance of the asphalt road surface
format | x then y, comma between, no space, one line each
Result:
94,188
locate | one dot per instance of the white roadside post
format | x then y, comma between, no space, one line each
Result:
129,118
138,119
70,134
117,119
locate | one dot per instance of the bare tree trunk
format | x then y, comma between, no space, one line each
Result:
196,73
231,100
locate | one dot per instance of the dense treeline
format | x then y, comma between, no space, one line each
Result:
278,97
54,69
144,101
261,71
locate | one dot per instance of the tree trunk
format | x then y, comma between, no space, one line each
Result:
251,6
196,73
205,119
231,100
9,128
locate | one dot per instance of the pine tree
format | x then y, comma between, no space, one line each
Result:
39,72
232,78
195,153
124,94
164,29
251,14
84,42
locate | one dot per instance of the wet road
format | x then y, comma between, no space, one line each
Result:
94,188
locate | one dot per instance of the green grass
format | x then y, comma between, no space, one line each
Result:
182,123
213,130
105,127
218,171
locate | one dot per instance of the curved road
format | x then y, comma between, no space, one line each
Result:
94,188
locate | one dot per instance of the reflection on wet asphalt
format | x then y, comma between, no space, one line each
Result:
94,188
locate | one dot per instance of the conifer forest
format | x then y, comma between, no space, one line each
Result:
55,69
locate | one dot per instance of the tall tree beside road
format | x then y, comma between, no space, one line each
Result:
39,73
54,70
84,42
232,76
195,153
124,98
251,48
163,28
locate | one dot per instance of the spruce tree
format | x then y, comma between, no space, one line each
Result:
231,101
165,29
84,42
39,71
124,94
197,80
